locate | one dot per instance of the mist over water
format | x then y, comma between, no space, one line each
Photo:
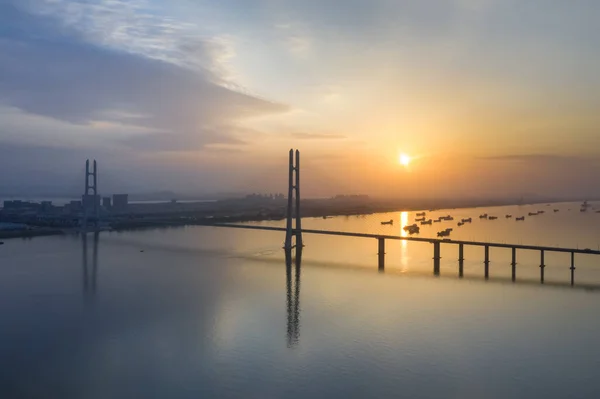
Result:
215,312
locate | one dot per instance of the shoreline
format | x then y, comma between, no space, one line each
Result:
144,222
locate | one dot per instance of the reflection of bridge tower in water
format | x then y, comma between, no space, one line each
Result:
292,280
89,275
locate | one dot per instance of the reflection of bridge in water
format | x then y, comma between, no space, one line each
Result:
292,283
89,274
293,214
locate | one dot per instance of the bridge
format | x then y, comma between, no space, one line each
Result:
291,232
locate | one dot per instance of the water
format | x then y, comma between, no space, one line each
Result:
208,312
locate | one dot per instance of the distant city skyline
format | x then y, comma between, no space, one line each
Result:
488,98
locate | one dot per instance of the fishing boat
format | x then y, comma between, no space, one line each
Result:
412,229
556,210
468,220
520,218
484,216
508,216
391,221
421,213
493,217
424,222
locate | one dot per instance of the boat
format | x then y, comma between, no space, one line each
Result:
421,219
540,212
391,221
460,224
443,233
468,220
437,221
508,216
493,217
412,229
556,210
520,218
424,222
532,213
484,216
327,217
421,213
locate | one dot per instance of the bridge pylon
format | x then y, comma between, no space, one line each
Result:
90,196
293,211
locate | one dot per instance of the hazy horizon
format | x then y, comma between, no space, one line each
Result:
488,98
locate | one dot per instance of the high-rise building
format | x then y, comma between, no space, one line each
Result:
120,202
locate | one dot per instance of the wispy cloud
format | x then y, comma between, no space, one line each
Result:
82,82
538,158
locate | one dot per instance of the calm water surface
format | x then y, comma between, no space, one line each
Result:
206,312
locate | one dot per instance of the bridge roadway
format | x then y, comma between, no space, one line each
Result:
417,239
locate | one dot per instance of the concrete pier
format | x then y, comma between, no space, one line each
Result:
381,254
436,258
572,268
461,259
486,262
542,266
514,264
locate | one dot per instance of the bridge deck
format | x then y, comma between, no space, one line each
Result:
417,239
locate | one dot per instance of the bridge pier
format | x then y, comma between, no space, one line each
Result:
572,268
486,262
461,259
514,264
381,253
542,266
436,258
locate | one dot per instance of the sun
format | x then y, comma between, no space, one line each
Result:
404,159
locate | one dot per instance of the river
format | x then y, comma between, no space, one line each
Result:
212,312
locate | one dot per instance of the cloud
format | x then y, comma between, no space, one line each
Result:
533,158
317,136
49,70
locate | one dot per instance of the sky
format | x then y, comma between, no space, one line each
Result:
487,97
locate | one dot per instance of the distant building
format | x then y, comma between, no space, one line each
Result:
120,202
106,202
15,204
73,207
46,207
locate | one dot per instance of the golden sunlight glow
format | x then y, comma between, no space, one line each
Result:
404,159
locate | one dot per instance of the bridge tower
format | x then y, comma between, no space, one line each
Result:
90,195
293,191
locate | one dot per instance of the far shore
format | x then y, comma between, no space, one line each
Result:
316,210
